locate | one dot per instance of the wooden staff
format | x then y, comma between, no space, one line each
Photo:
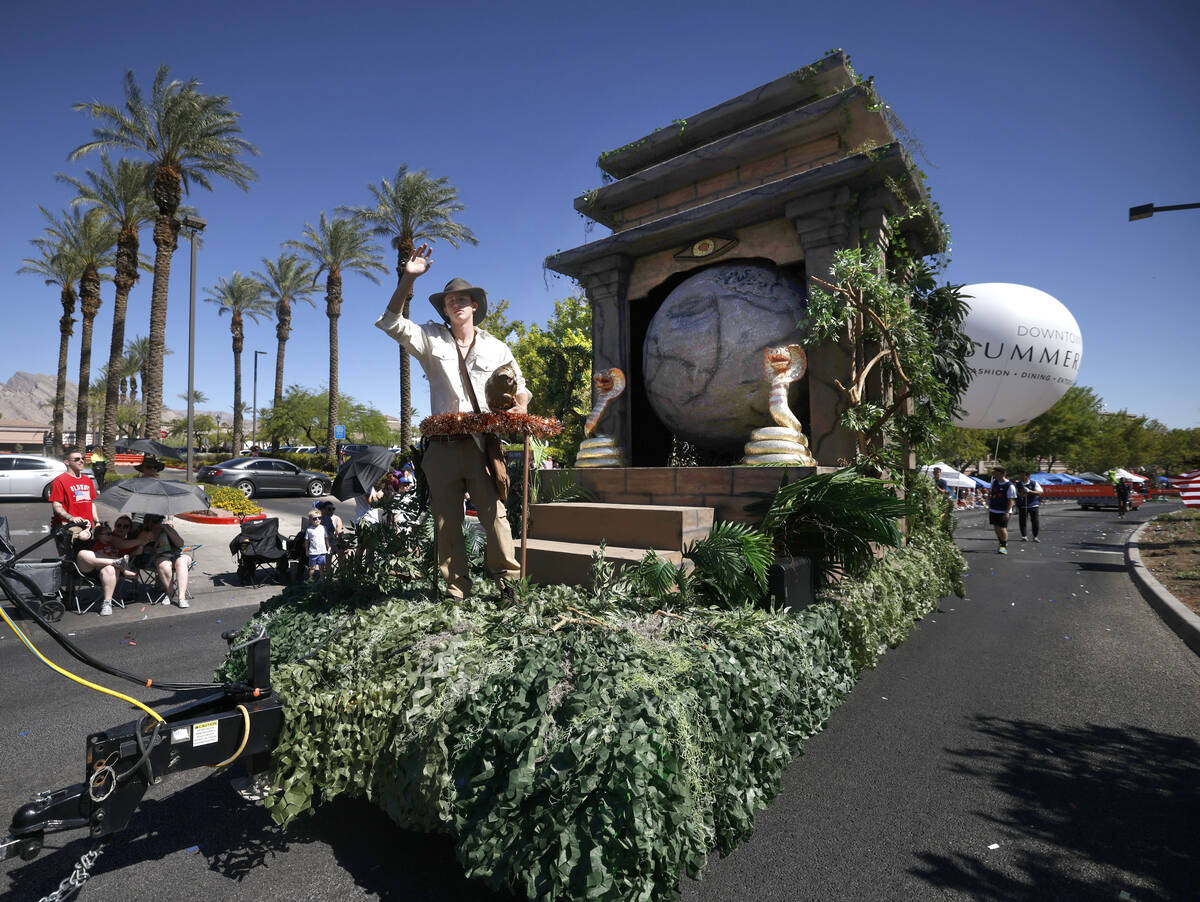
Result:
525,507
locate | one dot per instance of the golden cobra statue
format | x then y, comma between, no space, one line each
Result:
602,450
785,443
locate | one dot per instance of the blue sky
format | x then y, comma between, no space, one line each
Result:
1041,124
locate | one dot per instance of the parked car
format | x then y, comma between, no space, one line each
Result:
29,475
252,475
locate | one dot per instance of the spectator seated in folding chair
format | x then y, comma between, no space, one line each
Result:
34,582
102,565
259,545
167,560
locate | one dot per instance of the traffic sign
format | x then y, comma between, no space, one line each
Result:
339,433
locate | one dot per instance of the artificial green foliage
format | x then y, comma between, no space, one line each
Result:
575,748
836,519
588,743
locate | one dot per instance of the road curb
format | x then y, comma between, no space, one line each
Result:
1174,613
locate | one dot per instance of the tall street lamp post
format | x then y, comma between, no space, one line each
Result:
1145,211
194,226
254,419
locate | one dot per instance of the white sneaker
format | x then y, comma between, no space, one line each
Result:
1036,539
1023,539
106,609
181,601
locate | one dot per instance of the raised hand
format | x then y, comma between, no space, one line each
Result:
419,262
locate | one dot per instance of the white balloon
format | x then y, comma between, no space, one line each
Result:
1027,354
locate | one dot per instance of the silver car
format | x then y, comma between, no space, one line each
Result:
29,475
254,475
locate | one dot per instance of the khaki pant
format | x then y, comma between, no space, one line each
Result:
455,468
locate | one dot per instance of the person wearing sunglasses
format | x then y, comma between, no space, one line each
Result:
108,557
73,498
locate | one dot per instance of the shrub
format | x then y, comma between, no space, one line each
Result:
227,498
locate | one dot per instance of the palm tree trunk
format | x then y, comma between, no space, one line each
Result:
65,329
283,328
333,308
404,253
167,188
89,306
235,326
126,275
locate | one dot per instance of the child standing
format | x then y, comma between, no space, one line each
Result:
316,544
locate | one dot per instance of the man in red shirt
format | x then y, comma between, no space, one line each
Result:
73,496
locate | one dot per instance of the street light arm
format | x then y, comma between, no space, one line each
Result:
1145,211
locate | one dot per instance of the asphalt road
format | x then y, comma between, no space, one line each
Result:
1037,740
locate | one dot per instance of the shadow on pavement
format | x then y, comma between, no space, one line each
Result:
237,838
1101,567
1124,801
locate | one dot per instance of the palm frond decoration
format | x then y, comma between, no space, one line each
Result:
836,519
652,577
731,563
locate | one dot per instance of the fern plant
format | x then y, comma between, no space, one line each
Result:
836,519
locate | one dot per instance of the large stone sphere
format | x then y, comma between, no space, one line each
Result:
703,355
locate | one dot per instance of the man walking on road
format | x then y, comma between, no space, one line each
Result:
1001,496
1122,489
1029,503
459,358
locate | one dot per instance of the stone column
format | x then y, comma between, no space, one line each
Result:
606,283
826,222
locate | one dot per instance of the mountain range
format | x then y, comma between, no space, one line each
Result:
29,398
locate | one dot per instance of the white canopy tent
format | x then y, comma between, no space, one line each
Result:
1125,474
954,479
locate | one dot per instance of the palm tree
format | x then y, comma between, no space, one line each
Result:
239,296
287,280
137,363
337,247
411,209
187,137
92,240
121,194
58,266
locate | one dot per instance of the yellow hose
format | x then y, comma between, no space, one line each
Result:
69,675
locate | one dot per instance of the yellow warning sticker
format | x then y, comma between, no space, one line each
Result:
204,733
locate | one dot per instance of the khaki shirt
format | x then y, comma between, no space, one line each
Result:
433,345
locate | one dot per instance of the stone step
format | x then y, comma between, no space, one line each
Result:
551,563
661,527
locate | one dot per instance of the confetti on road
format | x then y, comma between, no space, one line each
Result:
25,732
994,845
884,697
1066,637
192,849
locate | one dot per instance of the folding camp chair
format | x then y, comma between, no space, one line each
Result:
148,577
34,582
259,546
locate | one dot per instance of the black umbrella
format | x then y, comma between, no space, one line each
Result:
360,471
149,446
151,495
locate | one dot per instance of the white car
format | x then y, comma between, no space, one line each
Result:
29,475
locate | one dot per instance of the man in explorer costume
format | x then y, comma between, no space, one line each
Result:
458,358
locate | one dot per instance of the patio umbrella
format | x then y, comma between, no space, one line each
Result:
150,495
149,446
360,471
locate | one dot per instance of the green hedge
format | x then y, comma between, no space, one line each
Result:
580,745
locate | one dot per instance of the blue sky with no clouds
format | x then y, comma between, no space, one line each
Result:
1040,124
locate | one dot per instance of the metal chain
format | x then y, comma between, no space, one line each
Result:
77,879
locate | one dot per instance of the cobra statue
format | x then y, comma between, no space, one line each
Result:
602,450
784,443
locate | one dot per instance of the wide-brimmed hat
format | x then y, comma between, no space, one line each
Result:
150,462
478,295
